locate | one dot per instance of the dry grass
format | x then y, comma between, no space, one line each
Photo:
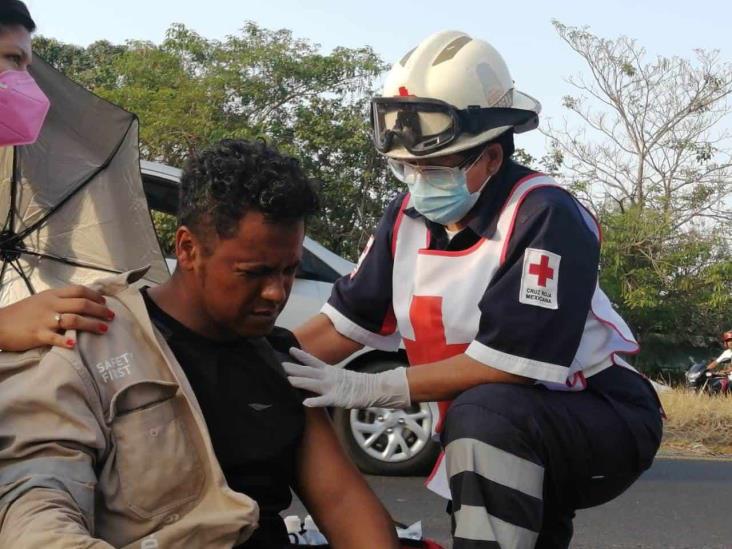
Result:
697,424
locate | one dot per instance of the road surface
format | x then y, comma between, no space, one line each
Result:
677,504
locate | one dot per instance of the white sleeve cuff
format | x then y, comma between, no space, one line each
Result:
351,330
520,366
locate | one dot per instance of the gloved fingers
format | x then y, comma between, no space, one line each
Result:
311,372
312,385
322,401
307,358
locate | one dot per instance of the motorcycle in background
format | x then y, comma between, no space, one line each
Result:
699,379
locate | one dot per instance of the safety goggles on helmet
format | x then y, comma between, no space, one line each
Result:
423,126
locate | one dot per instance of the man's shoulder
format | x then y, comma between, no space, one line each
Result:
12,360
282,340
61,362
41,383
124,357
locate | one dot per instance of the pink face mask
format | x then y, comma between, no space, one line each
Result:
23,108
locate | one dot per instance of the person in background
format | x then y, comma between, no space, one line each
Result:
726,356
41,319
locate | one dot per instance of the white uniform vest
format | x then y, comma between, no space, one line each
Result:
436,294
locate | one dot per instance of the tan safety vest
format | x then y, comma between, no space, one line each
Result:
105,445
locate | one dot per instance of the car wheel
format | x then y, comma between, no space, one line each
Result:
387,441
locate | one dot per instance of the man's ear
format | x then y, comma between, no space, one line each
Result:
494,158
490,162
187,248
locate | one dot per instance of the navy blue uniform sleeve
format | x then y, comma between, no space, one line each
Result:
534,311
360,304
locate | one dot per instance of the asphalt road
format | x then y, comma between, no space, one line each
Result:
677,504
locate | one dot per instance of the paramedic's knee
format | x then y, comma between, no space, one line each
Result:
496,414
489,447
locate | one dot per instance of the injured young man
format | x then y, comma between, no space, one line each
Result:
178,427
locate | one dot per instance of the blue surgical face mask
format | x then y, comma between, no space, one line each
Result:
439,193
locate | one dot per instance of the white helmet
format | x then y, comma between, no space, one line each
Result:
450,93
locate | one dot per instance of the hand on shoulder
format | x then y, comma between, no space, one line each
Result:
43,318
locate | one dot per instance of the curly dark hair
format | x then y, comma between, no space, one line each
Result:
222,183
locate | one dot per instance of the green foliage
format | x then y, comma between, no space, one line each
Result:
549,164
190,92
165,227
665,281
92,67
655,171
651,159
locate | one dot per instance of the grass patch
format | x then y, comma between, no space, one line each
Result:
697,424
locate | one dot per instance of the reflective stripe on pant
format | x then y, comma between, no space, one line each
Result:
497,492
521,459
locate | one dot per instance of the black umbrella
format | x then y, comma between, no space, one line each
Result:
73,202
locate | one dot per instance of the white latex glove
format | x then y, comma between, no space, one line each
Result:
344,388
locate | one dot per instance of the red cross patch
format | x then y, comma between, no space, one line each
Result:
540,279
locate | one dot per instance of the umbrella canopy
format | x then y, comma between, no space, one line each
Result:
73,203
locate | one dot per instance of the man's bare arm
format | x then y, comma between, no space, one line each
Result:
334,492
319,337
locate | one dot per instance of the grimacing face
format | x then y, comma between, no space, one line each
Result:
15,48
243,282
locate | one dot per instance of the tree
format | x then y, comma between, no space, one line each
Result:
652,160
673,285
650,136
92,67
190,91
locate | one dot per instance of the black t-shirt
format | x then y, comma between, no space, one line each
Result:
255,418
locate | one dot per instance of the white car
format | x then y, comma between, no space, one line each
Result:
379,440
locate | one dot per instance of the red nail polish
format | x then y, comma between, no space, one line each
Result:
70,343
110,316
103,328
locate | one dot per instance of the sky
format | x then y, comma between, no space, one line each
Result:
522,31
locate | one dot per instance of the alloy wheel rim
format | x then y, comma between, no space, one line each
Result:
392,435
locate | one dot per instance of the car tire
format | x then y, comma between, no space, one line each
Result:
414,454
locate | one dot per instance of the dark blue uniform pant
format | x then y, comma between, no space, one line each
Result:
521,459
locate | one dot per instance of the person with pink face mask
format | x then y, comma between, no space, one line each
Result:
42,319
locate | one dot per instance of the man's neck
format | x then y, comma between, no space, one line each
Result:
175,299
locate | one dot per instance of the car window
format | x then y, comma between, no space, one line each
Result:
314,268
